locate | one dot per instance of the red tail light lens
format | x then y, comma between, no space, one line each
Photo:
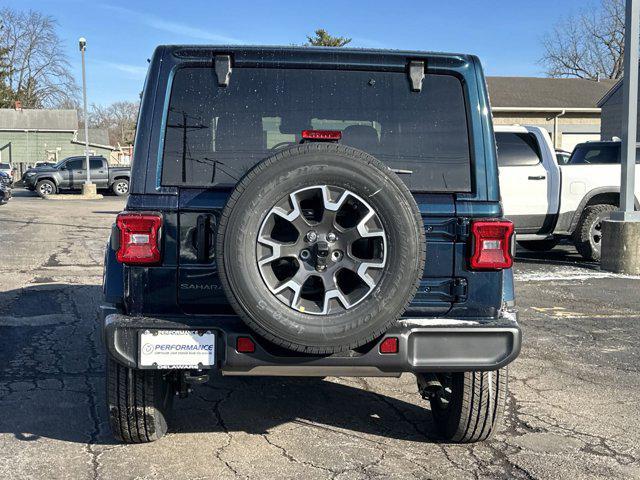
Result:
321,134
139,238
491,245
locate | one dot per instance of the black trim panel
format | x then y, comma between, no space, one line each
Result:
425,345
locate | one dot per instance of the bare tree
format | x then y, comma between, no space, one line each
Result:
39,74
323,39
119,119
588,45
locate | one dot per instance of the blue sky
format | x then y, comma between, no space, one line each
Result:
122,34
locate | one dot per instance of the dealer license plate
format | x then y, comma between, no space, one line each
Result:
177,348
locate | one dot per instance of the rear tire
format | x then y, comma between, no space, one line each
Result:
138,403
539,245
587,236
470,406
120,187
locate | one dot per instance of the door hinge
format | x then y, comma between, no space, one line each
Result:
416,74
462,229
204,238
459,289
223,69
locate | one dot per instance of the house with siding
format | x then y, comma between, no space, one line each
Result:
611,105
28,136
567,108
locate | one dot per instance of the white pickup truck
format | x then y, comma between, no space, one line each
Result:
548,202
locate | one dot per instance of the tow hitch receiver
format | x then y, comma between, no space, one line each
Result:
188,378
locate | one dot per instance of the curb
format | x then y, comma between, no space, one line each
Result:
73,197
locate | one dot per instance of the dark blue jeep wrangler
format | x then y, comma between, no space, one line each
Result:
311,212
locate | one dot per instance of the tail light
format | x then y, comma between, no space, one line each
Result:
491,244
139,237
331,135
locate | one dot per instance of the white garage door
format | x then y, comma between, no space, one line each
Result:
570,140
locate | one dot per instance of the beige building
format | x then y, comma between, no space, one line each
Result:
566,107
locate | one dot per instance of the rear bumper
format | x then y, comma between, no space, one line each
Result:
425,345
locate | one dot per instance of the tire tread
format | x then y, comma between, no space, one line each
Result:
582,233
136,415
477,405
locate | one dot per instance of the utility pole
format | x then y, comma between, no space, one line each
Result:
621,233
88,188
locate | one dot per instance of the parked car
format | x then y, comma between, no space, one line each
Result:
71,174
8,169
266,232
5,187
548,202
562,156
44,164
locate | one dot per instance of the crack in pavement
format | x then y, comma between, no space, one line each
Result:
220,422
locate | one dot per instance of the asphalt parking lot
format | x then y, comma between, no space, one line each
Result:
573,410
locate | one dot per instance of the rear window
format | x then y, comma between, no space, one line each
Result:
598,155
517,149
5,165
215,134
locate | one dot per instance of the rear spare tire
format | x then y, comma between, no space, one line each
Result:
320,248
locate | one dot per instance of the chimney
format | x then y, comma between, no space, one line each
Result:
18,105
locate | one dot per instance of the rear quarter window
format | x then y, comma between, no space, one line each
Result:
517,149
216,134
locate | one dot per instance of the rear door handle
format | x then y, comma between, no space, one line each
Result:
537,177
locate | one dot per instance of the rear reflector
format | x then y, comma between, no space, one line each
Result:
389,345
245,345
491,244
321,135
139,237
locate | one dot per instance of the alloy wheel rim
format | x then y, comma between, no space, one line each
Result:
321,250
121,187
46,189
596,234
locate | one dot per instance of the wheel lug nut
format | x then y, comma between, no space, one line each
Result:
305,254
336,255
331,237
311,236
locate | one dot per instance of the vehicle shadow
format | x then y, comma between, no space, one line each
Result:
560,256
52,383
256,405
23,192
